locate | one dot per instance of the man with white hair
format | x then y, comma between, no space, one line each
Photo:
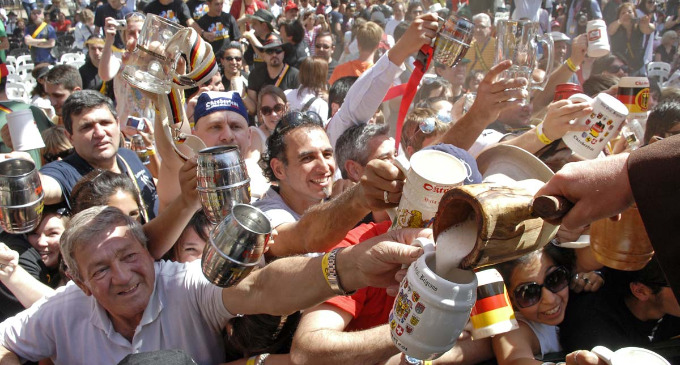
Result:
481,53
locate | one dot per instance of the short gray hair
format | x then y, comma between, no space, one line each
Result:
89,225
353,144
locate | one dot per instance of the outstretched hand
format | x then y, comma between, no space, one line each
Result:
598,188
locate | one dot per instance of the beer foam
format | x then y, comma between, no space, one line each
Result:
454,243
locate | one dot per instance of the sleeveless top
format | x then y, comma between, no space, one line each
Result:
547,335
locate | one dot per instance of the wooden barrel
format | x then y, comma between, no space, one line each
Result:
505,227
622,244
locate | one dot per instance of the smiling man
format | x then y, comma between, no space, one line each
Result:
122,302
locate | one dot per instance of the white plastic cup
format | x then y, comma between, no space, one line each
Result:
605,122
24,131
598,40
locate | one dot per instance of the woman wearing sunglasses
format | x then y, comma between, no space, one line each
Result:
538,286
272,104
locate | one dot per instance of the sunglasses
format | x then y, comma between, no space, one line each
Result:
296,119
267,110
322,46
529,294
275,50
49,157
614,68
230,58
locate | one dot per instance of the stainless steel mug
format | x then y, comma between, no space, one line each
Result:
21,196
222,181
236,245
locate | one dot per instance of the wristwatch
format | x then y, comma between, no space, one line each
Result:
333,279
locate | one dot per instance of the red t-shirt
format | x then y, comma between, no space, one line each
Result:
235,9
369,306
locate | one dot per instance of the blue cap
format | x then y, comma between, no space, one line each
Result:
474,176
214,101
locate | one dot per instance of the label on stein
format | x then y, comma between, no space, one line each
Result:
634,93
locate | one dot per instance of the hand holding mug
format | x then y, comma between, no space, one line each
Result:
561,115
494,96
579,46
382,179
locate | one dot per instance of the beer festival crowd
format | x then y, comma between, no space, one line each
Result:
320,98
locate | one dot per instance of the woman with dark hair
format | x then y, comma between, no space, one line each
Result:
312,93
610,65
39,96
626,37
272,104
101,187
29,264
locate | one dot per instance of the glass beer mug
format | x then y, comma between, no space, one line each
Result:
517,40
152,64
453,40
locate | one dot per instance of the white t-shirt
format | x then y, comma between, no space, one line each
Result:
185,312
276,209
297,101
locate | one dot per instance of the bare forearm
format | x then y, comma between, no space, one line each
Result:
8,358
327,346
527,141
25,287
164,230
268,290
322,226
465,132
52,190
560,76
108,65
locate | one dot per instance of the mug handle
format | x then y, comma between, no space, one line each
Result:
603,353
404,165
427,244
548,41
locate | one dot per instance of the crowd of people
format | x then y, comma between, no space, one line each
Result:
310,93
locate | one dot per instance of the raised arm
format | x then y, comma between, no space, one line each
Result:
164,230
368,92
108,64
326,224
493,97
25,287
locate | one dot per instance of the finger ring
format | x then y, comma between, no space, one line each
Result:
586,280
576,276
386,198
2,266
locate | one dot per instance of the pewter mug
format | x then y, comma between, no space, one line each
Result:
222,181
236,245
21,196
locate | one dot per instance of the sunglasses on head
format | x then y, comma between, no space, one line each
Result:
230,58
615,68
294,119
267,110
529,294
274,50
49,157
